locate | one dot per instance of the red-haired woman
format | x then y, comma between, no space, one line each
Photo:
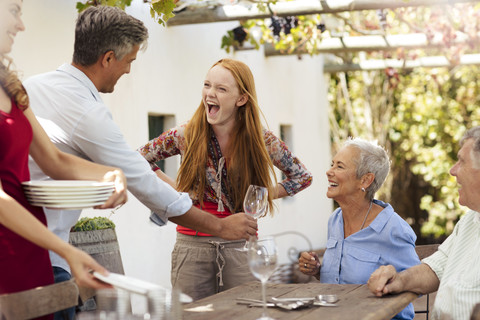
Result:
224,149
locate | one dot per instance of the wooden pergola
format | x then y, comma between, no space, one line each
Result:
244,10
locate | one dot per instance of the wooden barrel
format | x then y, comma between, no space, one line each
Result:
102,245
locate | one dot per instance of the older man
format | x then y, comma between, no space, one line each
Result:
453,269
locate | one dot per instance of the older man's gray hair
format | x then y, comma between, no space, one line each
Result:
372,159
102,29
473,133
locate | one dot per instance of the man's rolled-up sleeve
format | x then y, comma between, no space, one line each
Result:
176,208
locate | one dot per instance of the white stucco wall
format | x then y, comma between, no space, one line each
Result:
167,79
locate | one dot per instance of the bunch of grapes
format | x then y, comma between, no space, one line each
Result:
280,24
239,34
276,25
290,23
321,27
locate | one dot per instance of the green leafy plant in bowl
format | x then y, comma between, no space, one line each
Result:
96,223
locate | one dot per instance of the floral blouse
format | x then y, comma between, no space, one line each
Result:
172,142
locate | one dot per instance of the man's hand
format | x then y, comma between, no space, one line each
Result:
384,280
238,226
119,197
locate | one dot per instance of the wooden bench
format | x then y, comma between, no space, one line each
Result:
38,302
102,245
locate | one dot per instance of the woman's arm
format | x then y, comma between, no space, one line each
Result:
166,178
16,218
280,192
166,145
60,165
297,175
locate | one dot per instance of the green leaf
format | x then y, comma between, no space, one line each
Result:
89,224
162,10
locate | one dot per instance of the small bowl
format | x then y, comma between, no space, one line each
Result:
329,298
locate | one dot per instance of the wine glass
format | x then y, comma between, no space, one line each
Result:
262,259
255,204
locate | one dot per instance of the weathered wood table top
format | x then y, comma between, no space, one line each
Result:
356,302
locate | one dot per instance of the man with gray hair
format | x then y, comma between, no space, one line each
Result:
68,105
453,269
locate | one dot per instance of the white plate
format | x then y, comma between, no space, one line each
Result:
52,189
67,201
66,193
67,184
56,198
135,285
67,206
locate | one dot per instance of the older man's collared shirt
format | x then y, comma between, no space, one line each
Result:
457,265
70,109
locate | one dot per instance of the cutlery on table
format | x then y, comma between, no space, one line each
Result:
325,300
287,305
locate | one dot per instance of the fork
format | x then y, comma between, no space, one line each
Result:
311,300
248,301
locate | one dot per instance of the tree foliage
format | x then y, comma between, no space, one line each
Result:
420,119
113,3
451,22
160,10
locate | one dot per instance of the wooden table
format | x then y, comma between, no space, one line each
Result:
356,302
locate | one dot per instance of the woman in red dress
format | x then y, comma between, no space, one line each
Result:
24,239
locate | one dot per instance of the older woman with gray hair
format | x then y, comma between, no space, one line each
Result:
363,233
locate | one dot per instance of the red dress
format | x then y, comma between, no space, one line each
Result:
23,265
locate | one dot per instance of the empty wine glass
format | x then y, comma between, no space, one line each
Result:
255,204
262,259
113,303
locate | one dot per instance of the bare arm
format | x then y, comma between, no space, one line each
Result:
280,192
234,227
419,279
60,165
166,178
16,218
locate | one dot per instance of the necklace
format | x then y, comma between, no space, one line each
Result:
365,219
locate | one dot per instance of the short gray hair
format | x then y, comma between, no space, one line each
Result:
102,29
473,133
372,159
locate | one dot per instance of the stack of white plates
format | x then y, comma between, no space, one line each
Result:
67,194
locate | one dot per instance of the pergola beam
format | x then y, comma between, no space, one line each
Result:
192,15
426,62
376,43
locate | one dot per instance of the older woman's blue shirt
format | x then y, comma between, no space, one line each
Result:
387,240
